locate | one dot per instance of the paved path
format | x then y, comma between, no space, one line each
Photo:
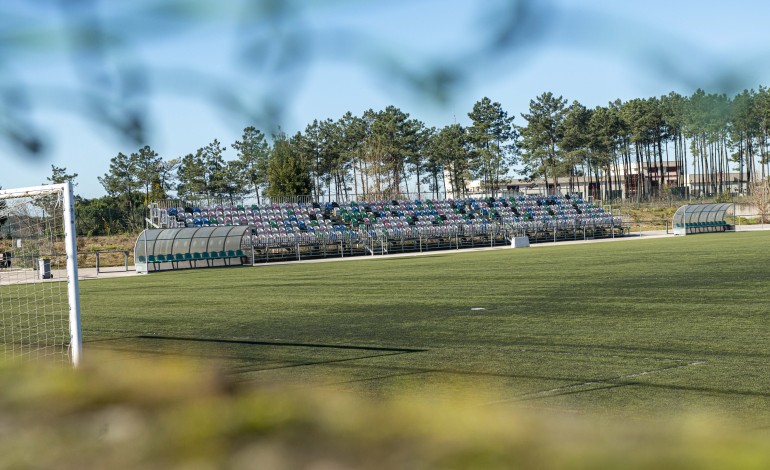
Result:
24,276
106,273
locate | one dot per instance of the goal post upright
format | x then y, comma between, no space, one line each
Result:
73,287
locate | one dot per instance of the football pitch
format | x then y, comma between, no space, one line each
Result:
631,328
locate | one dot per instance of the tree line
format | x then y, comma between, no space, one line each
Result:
378,153
706,136
386,153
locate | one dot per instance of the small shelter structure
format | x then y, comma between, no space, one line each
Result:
704,218
190,247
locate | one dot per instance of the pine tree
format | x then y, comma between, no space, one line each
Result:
541,137
217,183
253,152
575,144
450,147
147,163
123,184
191,174
491,136
288,173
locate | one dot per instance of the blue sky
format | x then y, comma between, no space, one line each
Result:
206,71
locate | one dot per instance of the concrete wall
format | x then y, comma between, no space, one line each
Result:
745,210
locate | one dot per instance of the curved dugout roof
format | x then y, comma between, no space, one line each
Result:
152,243
695,215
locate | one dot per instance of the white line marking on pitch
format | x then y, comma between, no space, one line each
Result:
610,356
597,382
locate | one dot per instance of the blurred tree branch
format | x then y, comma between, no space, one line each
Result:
109,47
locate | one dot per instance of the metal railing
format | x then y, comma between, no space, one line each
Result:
367,242
648,225
98,261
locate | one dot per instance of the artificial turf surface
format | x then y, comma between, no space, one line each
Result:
632,328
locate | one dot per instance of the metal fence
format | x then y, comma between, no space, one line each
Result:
307,245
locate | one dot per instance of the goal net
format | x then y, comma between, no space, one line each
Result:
39,294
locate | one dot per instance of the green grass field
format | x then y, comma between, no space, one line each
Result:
633,328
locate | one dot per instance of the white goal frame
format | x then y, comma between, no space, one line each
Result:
70,243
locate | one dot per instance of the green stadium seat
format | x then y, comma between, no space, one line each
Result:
176,259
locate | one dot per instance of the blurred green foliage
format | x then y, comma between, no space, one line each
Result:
121,413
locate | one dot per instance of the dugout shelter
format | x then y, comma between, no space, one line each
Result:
192,247
704,218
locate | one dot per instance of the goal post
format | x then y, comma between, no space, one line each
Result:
39,311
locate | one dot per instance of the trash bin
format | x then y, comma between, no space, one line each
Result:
45,268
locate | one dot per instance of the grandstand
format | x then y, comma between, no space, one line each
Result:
304,230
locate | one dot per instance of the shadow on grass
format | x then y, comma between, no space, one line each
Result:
281,343
378,351
573,385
